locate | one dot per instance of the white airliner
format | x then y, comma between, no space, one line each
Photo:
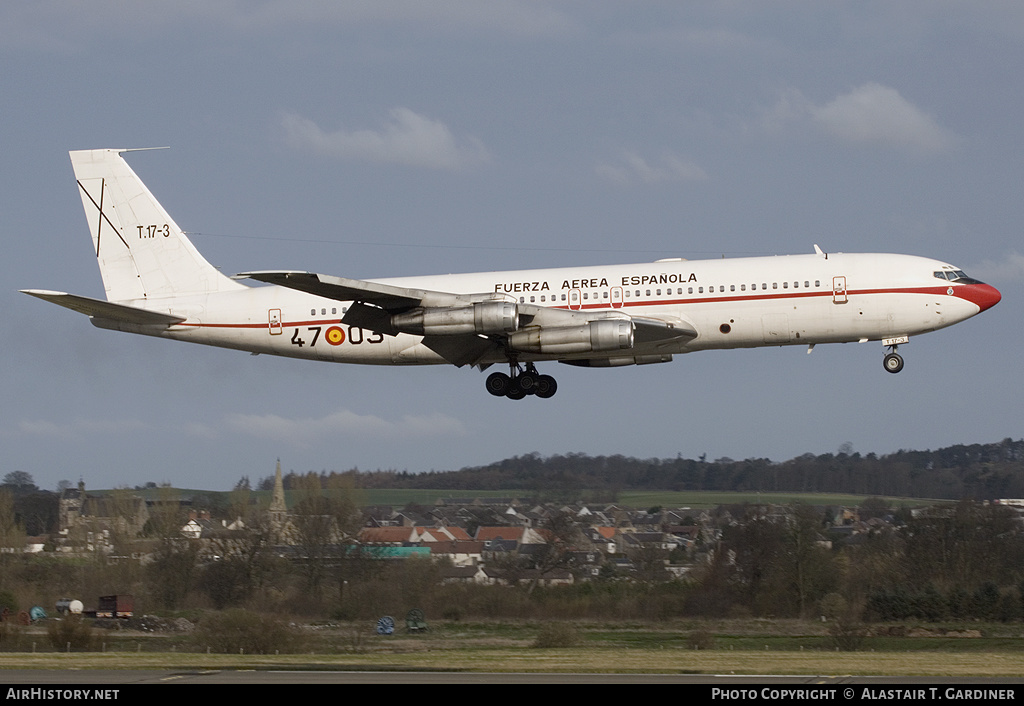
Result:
158,284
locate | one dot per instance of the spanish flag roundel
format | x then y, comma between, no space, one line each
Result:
335,335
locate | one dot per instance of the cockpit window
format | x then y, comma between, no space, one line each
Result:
955,276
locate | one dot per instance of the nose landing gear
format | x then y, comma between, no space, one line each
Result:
519,383
893,361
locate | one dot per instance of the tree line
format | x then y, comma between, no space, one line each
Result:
948,562
979,471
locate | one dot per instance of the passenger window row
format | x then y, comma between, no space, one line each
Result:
635,294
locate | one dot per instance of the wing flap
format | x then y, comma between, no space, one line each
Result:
461,350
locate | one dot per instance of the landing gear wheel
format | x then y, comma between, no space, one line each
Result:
498,384
546,387
515,392
893,362
519,383
527,382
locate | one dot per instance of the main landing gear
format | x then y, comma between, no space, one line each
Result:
520,383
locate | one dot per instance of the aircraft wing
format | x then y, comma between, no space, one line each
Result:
374,304
99,309
385,296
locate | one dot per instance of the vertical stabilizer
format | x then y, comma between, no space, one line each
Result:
142,253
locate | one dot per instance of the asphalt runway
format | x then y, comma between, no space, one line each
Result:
64,679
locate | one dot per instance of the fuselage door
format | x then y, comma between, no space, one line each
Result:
616,297
839,290
274,317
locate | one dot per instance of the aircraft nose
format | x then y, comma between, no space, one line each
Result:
984,295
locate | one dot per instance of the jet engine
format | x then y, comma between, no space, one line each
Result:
607,335
482,317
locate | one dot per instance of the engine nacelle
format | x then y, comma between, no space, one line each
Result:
616,362
597,336
482,317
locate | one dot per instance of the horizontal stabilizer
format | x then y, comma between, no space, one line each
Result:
100,309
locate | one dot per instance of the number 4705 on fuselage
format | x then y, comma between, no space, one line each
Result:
158,284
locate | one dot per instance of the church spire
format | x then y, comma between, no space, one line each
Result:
278,508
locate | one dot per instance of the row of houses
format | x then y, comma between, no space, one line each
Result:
479,539
464,549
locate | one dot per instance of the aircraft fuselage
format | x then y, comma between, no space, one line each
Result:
732,303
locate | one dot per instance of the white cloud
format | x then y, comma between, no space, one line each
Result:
340,424
344,423
871,113
409,138
199,430
1011,268
44,428
876,113
632,167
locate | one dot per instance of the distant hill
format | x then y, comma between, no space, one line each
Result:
980,471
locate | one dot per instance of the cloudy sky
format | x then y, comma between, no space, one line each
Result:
388,138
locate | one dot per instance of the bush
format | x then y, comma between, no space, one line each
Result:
452,613
847,634
8,602
245,632
702,639
557,635
832,606
226,582
72,632
10,636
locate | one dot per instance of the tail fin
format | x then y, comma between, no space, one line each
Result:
142,252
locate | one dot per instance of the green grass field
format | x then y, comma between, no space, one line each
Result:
697,500
398,497
739,647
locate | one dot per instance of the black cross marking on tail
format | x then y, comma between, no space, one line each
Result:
102,216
